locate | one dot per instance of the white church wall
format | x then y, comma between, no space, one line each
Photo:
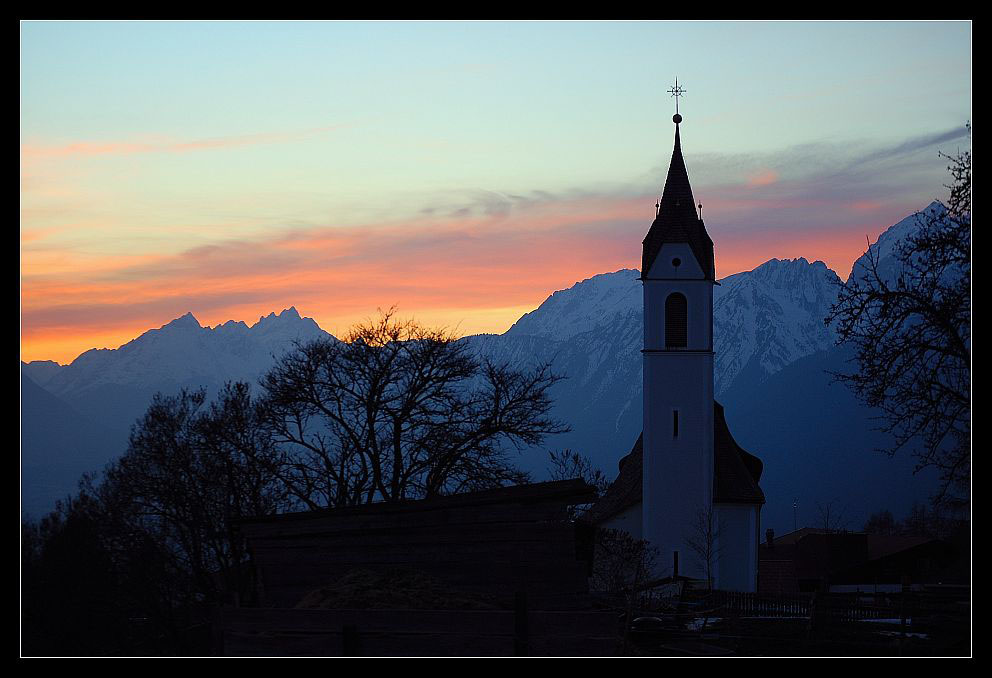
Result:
678,465
678,470
738,544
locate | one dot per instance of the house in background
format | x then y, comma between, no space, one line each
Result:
818,560
686,483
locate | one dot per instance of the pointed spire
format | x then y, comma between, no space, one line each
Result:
677,195
677,220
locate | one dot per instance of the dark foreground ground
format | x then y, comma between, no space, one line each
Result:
757,637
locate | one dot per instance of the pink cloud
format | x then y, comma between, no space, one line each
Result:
88,148
764,177
429,266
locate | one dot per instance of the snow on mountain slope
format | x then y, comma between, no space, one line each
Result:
584,306
770,317
765,318
182,352
764,321
885,247
592,333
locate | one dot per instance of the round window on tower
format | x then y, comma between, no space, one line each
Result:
676,262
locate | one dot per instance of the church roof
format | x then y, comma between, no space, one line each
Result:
677,220
735,471
735,474
625,491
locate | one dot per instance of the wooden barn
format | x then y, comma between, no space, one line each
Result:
497,572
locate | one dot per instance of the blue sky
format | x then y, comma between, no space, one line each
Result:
153,146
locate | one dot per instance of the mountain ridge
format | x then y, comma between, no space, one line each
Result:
765,321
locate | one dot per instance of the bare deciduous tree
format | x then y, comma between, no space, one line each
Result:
881,523
189,474
829,518
399,411
704,540
566,464
621,563
911,332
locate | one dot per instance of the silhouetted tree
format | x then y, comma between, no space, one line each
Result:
704,540
929,521
566,465
882,523
189,474
830,518
911,332
621,564
399,411
69,601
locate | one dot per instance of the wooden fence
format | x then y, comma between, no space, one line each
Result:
838,607
758,605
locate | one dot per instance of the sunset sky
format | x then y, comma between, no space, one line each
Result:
462,171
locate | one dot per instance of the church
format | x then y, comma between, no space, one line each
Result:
686,487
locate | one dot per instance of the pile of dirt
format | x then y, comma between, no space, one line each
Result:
392,589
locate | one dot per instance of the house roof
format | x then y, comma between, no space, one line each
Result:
677,220
736,474
880,545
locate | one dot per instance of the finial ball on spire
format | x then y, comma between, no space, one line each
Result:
676,118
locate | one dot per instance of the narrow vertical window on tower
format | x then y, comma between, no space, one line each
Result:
675,423
676,320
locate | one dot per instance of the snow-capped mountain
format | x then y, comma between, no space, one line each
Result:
184,352
765,320
111,388
585,306
885,248
592,333
41,371
770,317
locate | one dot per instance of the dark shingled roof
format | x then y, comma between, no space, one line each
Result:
677,220
735,474
625,491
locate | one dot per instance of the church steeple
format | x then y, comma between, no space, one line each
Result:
677,219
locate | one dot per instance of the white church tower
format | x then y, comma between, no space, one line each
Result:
686,486
678,277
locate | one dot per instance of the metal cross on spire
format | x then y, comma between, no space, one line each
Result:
676,92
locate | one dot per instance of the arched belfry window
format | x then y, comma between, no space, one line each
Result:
676,319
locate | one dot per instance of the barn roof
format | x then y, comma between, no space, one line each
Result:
555,493
735,474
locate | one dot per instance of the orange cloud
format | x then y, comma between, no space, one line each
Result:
478,273
765,177
31,152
